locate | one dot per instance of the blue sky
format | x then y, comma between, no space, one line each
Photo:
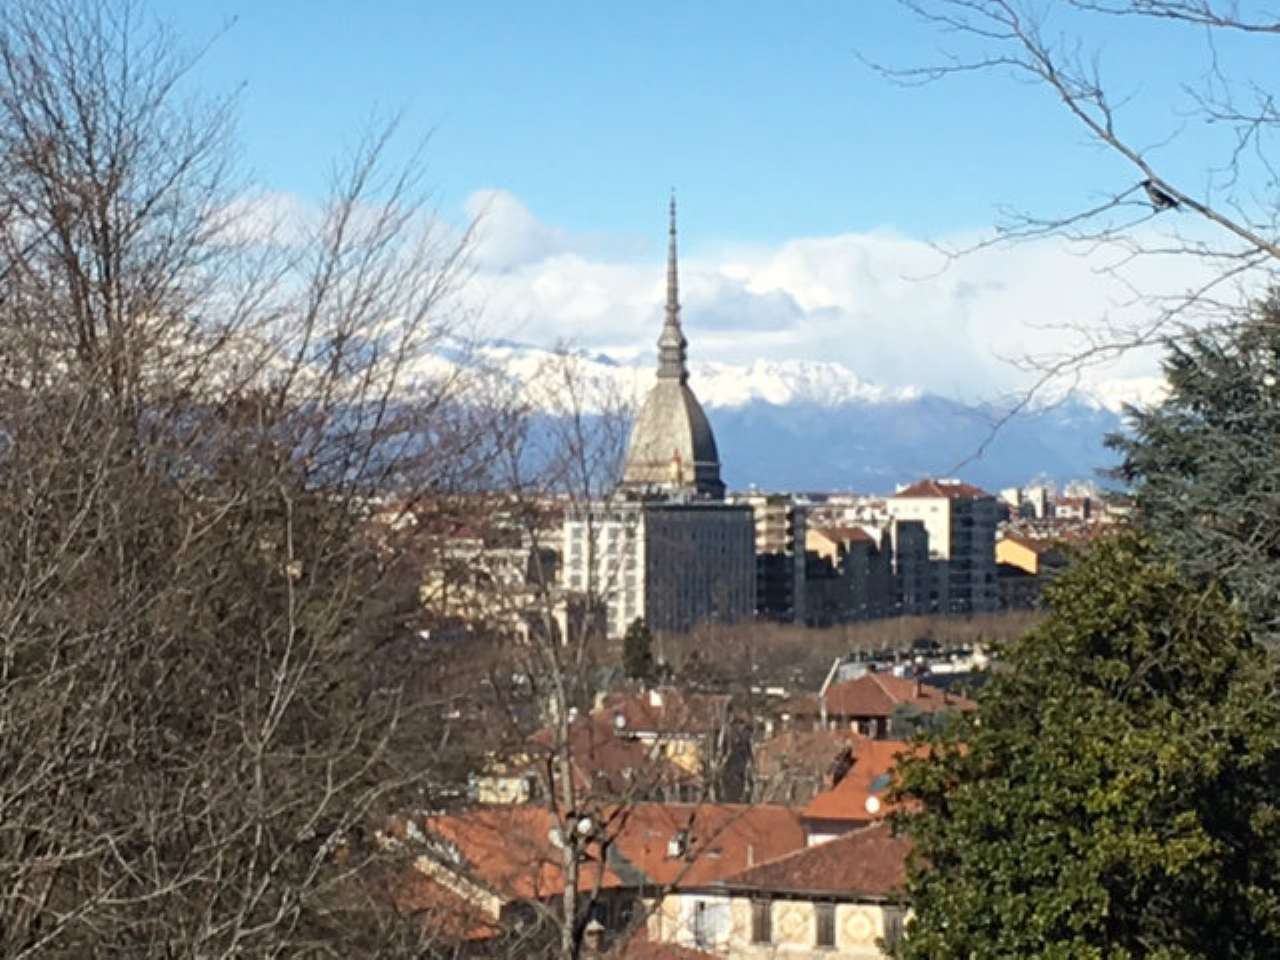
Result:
582,115
761,114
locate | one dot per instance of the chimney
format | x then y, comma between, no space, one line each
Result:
751,855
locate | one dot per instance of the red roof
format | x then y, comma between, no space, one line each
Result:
873,761
875,695
438,909
801,750
510,850
639,947
723,838
949,490
606,763
666,710
870,862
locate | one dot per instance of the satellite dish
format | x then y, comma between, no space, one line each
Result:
585,825
619,722
873,805
557,841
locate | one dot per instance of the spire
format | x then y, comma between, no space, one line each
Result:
672,345
673,282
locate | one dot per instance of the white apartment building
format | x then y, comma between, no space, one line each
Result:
673,564
960,520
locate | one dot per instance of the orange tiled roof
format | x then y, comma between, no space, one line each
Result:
509,850
674,712
604,762
949,491
639,947
438,909
802,749
876,694
867,862
847,800
724,838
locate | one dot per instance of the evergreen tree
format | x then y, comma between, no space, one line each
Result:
637,651
1118,796
1203,463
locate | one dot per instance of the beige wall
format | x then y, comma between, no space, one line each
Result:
1019,555
858,927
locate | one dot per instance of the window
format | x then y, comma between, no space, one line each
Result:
825,914
700,937
761,921
710,922
893,928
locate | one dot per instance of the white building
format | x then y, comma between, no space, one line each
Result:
961,521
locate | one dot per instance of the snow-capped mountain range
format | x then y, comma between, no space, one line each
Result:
816,425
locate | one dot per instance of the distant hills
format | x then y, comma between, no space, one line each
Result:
805,425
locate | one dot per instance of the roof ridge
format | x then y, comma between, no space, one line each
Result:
808,848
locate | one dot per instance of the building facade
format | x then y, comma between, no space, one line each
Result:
961,522
781,525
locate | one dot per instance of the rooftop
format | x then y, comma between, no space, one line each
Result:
870,862
873,763
877,694
948,489
667,710
513,852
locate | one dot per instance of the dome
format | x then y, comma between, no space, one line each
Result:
672,446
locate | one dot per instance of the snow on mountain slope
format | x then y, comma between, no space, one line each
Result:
806,425
718,385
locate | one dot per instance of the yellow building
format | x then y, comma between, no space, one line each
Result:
1031,556
838,900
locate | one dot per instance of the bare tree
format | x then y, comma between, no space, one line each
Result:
1219,225
201,604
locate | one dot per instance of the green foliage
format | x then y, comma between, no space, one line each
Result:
1116,797
637,651
1203,464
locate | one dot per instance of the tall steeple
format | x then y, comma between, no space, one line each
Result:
672,448
672,346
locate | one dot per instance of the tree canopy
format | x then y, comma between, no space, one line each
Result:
637,651
1117,796
1203,463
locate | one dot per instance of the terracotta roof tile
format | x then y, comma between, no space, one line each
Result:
639,947
949,491
876,694
509,850
867,862
724,838
438,909
802,750
666,710
606,763
873,762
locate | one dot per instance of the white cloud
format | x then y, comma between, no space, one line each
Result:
507,233
886,306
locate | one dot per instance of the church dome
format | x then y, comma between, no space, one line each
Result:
672,447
